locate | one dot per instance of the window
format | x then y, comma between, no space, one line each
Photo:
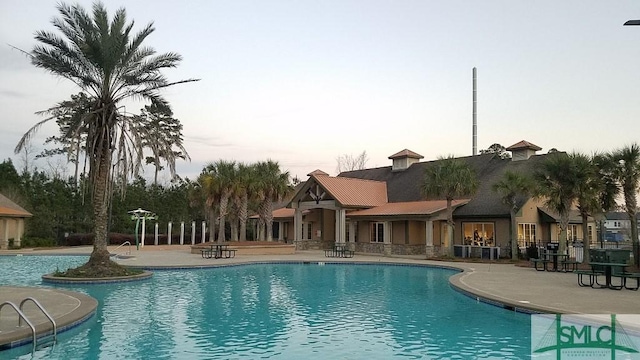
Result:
347,233
377,232
478,234
590,229
572,232
306,230
526,234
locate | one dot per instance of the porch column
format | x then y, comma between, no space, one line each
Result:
169,233
204,232
155,233
19,230
280,228
4,243
297,225
387,232
182,233
340,225
193,233
429,238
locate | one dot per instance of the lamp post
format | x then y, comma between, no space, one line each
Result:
632,22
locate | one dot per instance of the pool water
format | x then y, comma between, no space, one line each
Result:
280,311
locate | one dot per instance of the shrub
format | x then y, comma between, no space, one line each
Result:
33,241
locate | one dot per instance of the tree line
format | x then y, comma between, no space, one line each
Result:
225,195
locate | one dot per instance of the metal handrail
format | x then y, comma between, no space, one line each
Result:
128,252
53,322
21,315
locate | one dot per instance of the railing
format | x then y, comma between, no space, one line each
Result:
574,248
39,306
128,252
21,315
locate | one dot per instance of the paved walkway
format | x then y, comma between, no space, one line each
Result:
506,284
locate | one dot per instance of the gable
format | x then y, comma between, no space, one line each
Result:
347,192
10,209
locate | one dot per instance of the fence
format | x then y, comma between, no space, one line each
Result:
574,248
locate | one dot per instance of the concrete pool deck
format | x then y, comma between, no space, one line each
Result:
506,285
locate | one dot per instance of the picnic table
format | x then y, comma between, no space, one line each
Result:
218,251
339,251
610,269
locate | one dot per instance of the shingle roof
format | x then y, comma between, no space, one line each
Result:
405,186
10,209
408,208
354,192
548,215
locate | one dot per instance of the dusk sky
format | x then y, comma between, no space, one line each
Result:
303,82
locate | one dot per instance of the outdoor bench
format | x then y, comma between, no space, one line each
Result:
228,253
569,264
625,276
593,277
339,251
206,253
544,263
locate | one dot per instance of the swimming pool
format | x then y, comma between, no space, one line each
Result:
281,311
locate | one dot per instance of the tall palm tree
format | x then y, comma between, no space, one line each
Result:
589,189
556,179
205,191
271,185
512,187
449,178
224,173
242,188
107,61
627,161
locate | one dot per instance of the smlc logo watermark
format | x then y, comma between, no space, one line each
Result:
585,336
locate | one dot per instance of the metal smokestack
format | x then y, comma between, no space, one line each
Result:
475,115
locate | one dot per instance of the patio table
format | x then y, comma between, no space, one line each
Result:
608,272
553,257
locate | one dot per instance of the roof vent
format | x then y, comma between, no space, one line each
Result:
523,150
403,159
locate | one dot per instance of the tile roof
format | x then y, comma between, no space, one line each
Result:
10,209
523,145
408,208
284,213
317,172
406,153
351,192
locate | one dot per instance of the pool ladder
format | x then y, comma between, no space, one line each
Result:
22,317
127,252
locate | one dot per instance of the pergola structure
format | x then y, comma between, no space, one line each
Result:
12,218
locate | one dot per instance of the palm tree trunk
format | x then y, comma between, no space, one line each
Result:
630,204
212,225
224,202
514,235
450,227
234,229
586,241
100,254
268,218
243,214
